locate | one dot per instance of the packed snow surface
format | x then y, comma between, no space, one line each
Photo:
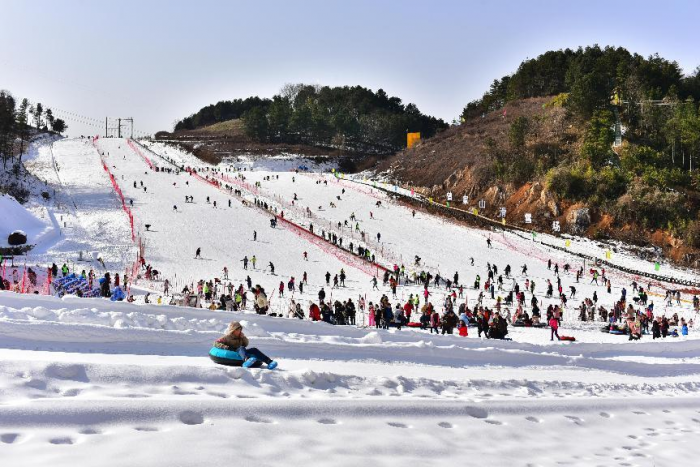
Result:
95,382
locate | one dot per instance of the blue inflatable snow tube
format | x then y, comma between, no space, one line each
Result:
118,294
229,357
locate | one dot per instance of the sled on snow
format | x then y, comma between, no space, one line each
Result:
229,358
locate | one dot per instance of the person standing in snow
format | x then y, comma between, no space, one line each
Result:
554,327
434,320
198,253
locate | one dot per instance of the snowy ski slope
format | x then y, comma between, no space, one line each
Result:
84,381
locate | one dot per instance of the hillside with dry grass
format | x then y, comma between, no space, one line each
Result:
469,159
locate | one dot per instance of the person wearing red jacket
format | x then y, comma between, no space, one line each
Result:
408,309
314,312
434,322
554,326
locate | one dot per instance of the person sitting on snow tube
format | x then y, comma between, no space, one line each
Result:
231,349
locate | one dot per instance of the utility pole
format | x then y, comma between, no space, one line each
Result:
119,126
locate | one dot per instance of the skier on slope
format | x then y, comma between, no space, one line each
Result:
198,254
272,268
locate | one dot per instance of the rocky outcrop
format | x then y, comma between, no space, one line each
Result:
578,220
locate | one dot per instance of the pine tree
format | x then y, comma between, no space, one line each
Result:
38,112
49,118
59,126
23,125
7,126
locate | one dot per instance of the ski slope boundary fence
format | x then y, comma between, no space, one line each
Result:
135,266
136,149
352,260
368,267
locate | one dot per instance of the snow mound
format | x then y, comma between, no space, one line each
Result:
16,218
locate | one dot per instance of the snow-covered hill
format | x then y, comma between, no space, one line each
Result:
84,381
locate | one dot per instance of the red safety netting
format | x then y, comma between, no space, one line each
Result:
136,265
136,149
341,254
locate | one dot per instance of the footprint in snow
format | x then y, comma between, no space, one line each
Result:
493,422
189,417
445,425
62,440
476,412
256,419
327,421
145,428
533,419
397,425
605,415
90,431
9,438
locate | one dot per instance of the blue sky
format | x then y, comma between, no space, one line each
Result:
158,61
